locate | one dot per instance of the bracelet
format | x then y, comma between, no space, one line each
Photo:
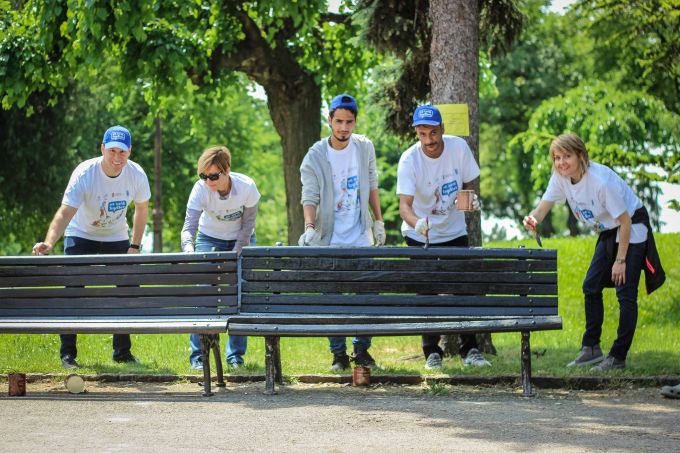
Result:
310,225
136,246
620,261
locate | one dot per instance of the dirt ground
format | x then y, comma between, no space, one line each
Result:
114,417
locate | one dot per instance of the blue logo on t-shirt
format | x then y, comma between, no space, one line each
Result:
352,183
116,205
449,188
587,214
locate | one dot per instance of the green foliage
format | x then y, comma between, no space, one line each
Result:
641,40
550,56
655,350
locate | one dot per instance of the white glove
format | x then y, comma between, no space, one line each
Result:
476,206
309,237
379,232
422,226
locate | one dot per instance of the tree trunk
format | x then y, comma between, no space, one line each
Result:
295,109
454,78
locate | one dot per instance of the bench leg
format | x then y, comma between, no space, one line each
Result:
206,346
270,364
277,360
527,390
218,362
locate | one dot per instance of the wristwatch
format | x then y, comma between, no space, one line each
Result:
136,246
620,261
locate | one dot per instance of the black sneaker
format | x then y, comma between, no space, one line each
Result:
69,362
363,358
127,358
340,362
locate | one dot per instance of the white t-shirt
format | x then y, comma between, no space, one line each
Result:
347,229
102,201
434,183
597,199
221,217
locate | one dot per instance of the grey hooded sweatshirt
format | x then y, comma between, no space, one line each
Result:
317,184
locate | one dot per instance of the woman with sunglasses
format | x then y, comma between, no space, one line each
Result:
223,208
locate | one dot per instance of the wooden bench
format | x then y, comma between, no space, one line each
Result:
152,293
330,291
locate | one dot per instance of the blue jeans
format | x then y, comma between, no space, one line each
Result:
236,344
74,245
627,293
361,344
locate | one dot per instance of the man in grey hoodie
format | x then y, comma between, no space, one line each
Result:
339,185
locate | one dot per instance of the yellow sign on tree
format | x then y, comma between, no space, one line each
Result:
456,119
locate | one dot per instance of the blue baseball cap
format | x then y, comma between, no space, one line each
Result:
344,101
427,115
117,137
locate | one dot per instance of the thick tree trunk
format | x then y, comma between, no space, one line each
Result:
293,97
295,109
454,77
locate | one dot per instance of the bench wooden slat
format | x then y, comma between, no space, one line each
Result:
187,324
379,299
76,260
117,302
396,310
122,312
306,330
120,280
437,252
398,276
406,264
401,287
129,291
116,269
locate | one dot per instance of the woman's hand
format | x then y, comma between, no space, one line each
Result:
530,223
619,273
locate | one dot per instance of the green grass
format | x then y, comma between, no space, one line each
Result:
655,351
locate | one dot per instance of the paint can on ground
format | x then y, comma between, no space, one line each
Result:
17,384
74,383
361,375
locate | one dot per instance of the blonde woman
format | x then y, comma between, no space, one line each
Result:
601,199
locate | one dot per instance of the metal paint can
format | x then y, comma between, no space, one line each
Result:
464,200
361,376
74,383
17,384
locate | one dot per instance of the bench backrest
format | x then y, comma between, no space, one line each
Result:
164,286
446,282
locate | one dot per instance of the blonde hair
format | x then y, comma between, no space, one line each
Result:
219,156
571,143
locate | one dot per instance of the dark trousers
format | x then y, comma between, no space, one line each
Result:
594,283
74,245
430,343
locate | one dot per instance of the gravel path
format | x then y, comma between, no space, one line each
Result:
112,417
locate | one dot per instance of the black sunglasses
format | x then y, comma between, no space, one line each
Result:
212,176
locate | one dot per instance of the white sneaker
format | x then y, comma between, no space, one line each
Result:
475,358
433,362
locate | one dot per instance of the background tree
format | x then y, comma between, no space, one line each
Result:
294,50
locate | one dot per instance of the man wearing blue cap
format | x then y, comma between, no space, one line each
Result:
339,185
429,176
92,218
